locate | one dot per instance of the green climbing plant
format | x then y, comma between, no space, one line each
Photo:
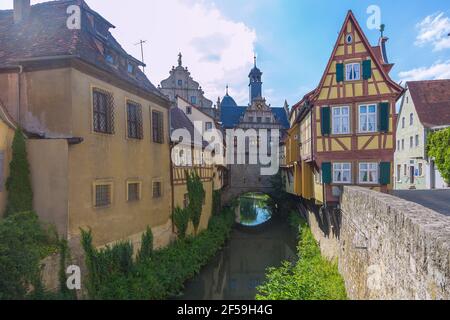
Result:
180,218
18,184
196,194
439,148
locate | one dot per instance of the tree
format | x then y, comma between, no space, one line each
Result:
18,185
196,194
439,149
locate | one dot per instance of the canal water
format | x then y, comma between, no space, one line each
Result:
257,242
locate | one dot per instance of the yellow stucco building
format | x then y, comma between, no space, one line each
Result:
98,130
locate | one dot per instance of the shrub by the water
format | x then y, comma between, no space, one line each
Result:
312,277
24,242
163,274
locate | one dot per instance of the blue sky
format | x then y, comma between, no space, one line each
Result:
293,39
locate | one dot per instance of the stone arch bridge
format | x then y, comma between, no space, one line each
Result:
243,179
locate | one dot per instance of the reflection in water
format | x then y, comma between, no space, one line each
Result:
253,209
240,267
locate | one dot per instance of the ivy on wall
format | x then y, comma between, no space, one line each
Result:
439,149
196,194
180,218
18,184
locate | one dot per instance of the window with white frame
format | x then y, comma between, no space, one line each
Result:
368,173
342,173
353,71
411,119
341,120
208,126
368,118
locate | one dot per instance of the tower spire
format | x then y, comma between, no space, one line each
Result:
180,59
254,59
227,89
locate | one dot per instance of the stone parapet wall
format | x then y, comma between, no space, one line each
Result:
388,248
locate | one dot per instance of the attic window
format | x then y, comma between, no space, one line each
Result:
130,68
349,39
101,28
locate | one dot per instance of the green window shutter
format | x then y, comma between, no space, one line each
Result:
339,72
385,173
367,69
326,173
325,116
383,117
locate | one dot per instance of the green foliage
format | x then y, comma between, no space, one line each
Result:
105,264
180,218
196,194
280,201
311,278
18,184
439,149
164,274
146,250
217,201
296,221
24,242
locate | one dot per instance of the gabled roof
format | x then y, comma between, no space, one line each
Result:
230,117
432,101
228,101
44,34
375,57
281,116
179,120
198,109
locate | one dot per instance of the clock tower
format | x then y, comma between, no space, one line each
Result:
255,85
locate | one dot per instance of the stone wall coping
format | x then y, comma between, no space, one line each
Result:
423,219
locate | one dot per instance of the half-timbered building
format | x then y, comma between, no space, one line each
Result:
346,126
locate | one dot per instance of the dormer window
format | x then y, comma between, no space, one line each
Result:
101,28
130,68
110,57
180,83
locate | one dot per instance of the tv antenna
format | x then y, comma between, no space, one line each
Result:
141,43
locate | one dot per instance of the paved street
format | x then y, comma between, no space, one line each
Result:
437,200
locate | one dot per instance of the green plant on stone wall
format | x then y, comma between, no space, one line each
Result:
146,250
196,194
18,184
217,201
160,277
105,264
24,242
439,149
180,218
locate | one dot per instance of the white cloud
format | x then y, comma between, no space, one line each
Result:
216,49
434,30
439,70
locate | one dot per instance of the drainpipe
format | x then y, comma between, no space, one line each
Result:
19,92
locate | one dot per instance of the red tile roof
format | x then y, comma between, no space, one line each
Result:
432,101
45,34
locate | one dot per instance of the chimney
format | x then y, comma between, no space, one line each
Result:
22,10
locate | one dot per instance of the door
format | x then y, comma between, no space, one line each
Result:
412,174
